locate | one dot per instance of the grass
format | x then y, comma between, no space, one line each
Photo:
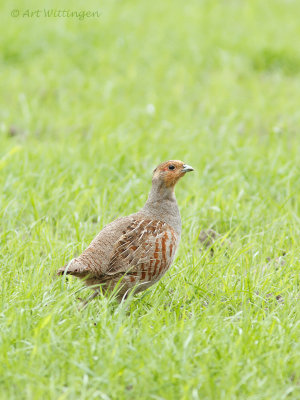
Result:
88,109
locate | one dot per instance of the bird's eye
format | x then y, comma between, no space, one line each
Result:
171,167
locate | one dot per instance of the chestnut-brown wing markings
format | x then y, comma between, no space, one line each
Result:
136,247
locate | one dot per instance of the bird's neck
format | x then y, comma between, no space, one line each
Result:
162,204
160,192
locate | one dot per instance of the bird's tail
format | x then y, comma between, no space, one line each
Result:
61,270
74,267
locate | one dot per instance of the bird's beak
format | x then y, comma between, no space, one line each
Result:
187,168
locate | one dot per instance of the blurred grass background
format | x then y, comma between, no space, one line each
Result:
88,108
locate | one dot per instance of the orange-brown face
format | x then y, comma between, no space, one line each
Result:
171,171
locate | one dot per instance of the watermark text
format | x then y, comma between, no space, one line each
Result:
54,13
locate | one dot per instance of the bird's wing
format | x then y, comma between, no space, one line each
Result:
146,247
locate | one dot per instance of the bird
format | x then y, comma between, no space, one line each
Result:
132,253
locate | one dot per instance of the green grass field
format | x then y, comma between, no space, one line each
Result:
88,109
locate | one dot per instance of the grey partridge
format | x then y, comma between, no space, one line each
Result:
134,252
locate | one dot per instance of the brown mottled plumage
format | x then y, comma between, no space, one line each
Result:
134,252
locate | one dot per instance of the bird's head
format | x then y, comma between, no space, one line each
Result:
168,173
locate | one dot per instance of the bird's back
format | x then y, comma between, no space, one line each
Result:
136,239
96,257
